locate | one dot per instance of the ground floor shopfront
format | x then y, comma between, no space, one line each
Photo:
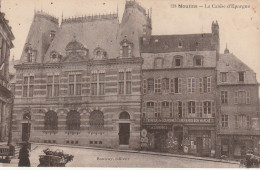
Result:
237,146
196,139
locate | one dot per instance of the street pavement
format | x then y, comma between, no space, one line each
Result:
104,158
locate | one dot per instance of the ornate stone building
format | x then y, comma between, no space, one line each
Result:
6,37
79,82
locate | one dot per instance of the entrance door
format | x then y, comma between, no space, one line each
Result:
178,131
26,127
124,133
199,145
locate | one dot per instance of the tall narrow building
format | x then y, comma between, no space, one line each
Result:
6,38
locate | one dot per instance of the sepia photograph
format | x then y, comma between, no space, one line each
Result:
130,83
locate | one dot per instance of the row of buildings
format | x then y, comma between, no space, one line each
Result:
95,81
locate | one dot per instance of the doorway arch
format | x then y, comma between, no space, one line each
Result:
124,128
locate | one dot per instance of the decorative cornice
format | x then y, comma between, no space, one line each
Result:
90,18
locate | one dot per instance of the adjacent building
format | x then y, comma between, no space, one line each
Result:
79,82
238,127
179,92
6,37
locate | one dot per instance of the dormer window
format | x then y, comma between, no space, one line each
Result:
158,63
29,57
180,44
100,53
241,76
30,53
198,60
178,61
126,48
52,35
55,57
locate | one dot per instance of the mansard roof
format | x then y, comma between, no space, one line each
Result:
91,32
170,43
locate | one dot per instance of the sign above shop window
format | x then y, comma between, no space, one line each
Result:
184,120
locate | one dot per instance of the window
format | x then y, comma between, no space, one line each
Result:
28,86
157,110
206,84
124,82
172,86
224,97
157,85
180,44
165,85
51,121
242,97
96,120
177,84
144,86
126,48
75,85
177,61
197,61
180,109
98,83
150,85
223,77
73,120
191,107
241,76
165,104
53,86
224,120
150,104
158,63
200,110
207,107
242,121
191,85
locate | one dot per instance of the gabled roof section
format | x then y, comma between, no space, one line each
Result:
232,65
171,43
92,32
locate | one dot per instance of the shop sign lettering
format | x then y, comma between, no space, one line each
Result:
185,120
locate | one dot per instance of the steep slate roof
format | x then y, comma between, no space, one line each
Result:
169,43
231,64
91,33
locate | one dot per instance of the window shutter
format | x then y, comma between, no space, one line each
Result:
184,109
159,85
197,108
208,84
175,107
184,86
144,86
172,86
193,85
213,109
247,97
159,108
200,85
189,85
180,85
155,108
236,97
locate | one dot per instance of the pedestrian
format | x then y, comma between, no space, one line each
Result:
24,160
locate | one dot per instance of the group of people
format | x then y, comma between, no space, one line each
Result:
251,161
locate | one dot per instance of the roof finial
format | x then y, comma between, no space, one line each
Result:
226,51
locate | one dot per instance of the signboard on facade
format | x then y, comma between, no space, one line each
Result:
158,127
184,120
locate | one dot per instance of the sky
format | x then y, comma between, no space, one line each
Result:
239,28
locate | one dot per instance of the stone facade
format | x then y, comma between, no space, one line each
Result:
79,83
6,37
238,103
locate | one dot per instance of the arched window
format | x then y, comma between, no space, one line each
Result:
180,44
73,120
158,62
51,121
198,60
124,115
96,120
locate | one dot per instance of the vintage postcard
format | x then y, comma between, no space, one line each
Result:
130,83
